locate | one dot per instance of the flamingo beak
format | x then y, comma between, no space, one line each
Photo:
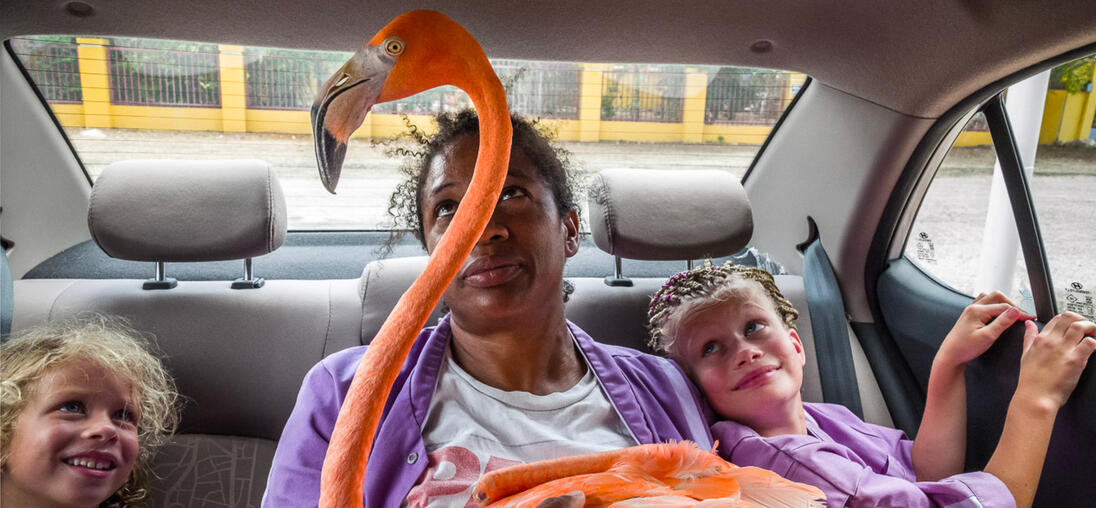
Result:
341,105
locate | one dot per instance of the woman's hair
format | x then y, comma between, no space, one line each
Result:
704,286
110,343
552,163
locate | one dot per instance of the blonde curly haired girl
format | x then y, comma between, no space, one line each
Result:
83,406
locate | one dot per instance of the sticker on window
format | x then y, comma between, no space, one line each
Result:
925,250
1079,300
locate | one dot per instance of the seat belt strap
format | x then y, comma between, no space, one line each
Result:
7,294
831,333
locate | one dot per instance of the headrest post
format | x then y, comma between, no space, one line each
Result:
162,281
618,279
248,282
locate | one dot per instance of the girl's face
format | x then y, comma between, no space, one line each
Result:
75,442
748,364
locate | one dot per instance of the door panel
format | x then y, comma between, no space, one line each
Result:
919,312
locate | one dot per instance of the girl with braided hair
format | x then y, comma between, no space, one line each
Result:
734,334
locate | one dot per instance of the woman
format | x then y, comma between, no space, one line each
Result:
504,378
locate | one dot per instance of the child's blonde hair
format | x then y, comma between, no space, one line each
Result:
109,342
704,286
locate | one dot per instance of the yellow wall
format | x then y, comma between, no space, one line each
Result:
270,120
974,138
1065,117
166,117
70,115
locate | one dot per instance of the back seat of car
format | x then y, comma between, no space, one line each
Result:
239,355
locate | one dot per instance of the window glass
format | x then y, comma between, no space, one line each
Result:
949,235
123,98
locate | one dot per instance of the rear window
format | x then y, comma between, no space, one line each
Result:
125,98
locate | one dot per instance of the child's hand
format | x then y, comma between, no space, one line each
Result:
1054,358
978,328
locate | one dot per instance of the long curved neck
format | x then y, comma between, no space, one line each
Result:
343,472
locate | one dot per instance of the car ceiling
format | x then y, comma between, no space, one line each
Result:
917,58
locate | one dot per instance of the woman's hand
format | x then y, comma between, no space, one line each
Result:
1054,358
977,328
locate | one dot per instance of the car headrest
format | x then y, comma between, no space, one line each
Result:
667,215
176,210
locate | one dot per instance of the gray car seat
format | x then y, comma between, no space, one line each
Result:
238,355
634,214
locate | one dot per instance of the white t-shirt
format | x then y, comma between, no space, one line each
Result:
475,428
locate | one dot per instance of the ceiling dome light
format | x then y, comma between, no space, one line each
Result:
79,9
761,46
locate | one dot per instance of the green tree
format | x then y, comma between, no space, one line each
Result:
1073,76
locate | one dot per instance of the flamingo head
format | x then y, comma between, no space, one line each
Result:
415,52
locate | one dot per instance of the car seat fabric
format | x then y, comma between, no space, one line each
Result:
179,210
238,356
664,215
610,314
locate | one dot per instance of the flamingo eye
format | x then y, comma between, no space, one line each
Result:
393,46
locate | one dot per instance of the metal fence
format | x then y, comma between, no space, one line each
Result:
643,94
287,79
53,65
541,89
746,97
172,73
175,74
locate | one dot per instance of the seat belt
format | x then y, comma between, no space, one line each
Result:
7,293
831,333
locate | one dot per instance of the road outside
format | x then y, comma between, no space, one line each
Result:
951,217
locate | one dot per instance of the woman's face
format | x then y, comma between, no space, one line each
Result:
516,266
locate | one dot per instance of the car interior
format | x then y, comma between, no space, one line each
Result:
199,253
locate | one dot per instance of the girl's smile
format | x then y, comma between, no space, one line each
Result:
75,442
748,364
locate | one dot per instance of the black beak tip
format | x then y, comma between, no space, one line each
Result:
331,154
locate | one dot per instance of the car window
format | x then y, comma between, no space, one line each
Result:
953,236
124,98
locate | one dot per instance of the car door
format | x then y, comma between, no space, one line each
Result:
932,255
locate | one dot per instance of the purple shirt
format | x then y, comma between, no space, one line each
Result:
653,397
855,463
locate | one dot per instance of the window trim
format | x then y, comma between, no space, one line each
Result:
49,110
894,225
1023,207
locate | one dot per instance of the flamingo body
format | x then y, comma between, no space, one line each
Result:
662,475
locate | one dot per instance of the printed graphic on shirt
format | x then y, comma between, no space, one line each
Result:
472,428
452,473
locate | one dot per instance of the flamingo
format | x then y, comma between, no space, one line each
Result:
415,52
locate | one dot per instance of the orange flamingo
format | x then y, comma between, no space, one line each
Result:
415,52
653,475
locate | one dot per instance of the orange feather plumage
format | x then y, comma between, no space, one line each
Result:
670,474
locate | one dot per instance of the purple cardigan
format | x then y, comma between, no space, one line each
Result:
855,463
651,394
